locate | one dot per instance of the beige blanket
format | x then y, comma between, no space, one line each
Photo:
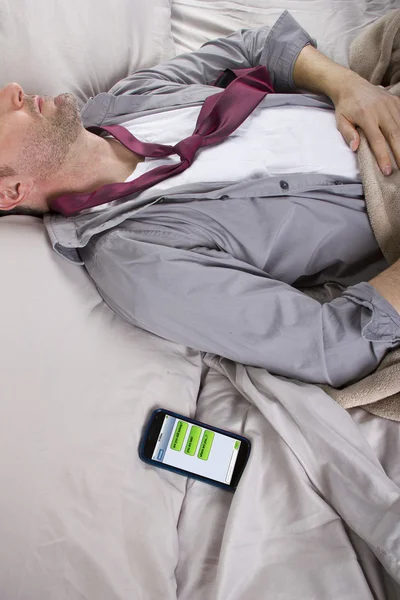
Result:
375,55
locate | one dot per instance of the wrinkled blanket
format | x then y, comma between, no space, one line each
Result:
375,55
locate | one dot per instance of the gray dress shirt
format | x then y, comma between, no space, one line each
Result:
231,268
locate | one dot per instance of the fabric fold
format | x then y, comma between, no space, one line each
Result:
375,55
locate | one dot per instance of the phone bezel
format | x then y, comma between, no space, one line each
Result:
150,437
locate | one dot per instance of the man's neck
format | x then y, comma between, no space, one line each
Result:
122,161
92,163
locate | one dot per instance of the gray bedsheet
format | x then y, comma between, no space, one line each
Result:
315,514
315,517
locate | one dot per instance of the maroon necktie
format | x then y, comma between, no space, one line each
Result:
220,115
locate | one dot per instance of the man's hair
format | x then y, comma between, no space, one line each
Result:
22,210
6,171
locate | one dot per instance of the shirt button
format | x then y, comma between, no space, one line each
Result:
224,197
284,185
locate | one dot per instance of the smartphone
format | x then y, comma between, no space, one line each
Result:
194,449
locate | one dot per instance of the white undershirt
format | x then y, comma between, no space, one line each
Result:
271,142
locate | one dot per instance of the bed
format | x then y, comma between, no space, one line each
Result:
317,512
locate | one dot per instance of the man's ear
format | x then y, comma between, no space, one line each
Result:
15,191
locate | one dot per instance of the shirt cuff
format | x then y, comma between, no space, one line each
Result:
284,43
382,323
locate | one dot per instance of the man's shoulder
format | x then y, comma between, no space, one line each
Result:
106,108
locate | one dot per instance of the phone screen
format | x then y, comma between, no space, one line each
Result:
196,449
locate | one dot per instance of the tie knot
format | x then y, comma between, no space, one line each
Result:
188,147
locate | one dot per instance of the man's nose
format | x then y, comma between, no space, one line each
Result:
12,95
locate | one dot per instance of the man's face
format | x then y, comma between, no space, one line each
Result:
36,133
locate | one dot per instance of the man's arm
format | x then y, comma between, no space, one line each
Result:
387,284
357,102
276,48
288,52
211,301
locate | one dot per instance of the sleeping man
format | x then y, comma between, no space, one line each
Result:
221,256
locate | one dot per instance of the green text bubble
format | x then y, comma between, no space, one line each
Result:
237,445
205,446
193,440
179,436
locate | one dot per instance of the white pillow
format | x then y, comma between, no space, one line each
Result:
80,46
334,24
80,515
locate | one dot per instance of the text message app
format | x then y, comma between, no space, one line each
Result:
196,449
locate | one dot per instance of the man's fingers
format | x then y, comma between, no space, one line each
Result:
377,113
349,132
391,129
386,132
377,141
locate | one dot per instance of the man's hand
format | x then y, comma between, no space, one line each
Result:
358,103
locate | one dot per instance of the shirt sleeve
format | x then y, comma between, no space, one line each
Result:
381,323
210,301
275,48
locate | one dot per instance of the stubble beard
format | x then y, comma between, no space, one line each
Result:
49,141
